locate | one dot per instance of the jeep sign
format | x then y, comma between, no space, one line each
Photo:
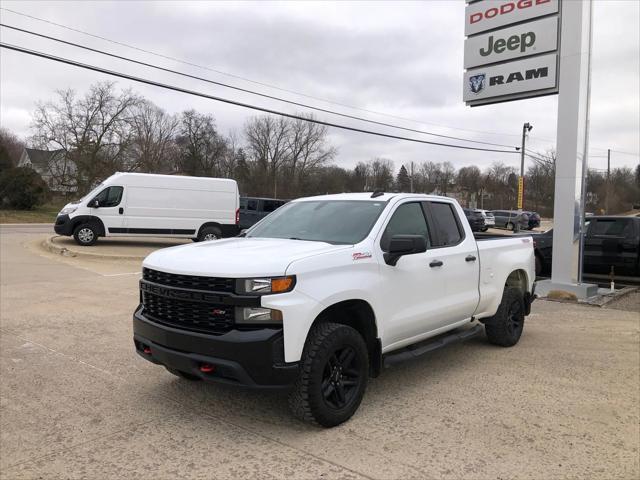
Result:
535,76
490,14
540,36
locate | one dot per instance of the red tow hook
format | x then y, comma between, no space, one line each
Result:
207,368
146,350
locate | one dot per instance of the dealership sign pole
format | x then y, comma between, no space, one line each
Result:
511,53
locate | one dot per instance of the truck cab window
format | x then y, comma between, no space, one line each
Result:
110,197
252,205
408,219
447,226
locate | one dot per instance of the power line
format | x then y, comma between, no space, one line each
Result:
271,97
255,82
234,102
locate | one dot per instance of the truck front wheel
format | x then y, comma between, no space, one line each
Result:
333,375
505,327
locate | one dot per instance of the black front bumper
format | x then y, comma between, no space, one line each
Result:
252,358
63,225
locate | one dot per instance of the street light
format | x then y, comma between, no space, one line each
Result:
526,128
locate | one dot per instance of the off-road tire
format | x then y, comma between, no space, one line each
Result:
505,327
184,375
207,233
85,234
307,400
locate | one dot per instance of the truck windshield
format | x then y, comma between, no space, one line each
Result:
333,221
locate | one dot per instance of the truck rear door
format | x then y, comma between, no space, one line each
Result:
454,246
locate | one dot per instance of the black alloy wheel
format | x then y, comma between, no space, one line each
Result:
341,378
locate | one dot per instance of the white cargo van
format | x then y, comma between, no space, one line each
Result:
140,204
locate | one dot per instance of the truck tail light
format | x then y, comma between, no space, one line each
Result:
237,216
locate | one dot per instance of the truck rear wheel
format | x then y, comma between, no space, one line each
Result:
333,375
505,327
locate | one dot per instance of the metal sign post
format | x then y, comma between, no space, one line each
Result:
572,144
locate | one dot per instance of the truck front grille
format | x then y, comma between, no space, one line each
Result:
184,314
192,282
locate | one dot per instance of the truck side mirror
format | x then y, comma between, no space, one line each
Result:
401,245
95,203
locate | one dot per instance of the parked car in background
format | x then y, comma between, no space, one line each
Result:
534,220
511,219
142,204
476,220
610,241
489,219
254,209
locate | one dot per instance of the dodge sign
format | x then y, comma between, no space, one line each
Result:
511,50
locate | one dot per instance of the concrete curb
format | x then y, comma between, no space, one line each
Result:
49,245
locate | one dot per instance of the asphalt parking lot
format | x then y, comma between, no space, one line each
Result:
77,402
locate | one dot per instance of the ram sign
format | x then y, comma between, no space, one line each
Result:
509,62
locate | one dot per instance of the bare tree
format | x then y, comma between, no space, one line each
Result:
446,177
13,147
268,146
469,181
93,132
539,183
202,149
308,149
153,145
381,174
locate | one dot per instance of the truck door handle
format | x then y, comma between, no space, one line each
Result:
470,258
436,263
121,210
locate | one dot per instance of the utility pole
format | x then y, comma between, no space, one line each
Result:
526,128
608,191
411,179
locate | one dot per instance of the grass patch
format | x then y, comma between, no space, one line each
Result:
43,214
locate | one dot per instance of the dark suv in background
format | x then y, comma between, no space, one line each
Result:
254,209
476,220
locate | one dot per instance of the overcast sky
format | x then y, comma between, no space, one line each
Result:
403,59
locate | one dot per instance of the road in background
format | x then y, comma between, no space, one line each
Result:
76,401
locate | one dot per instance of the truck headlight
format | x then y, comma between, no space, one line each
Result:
67,210
261,286
258,315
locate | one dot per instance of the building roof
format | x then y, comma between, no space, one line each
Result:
40,159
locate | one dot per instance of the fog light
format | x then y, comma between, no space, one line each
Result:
258,315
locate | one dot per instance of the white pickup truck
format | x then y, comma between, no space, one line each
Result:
326,291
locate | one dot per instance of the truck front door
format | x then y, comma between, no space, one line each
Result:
412,297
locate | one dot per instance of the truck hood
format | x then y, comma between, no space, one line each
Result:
236,257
